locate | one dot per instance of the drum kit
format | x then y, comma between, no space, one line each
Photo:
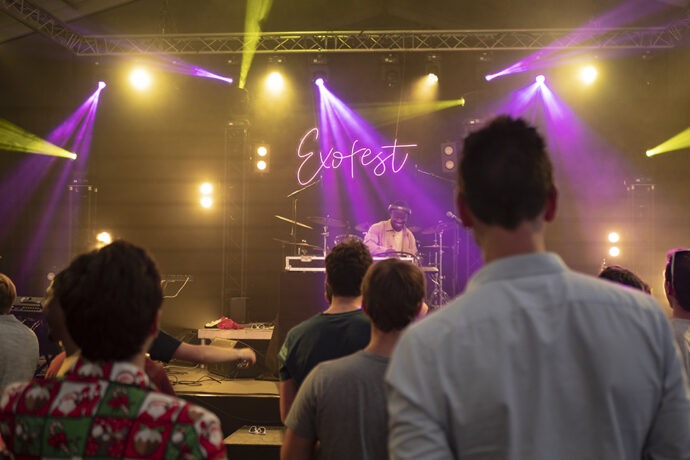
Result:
429,257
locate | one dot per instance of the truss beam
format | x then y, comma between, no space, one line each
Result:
382,41
43,22
344,41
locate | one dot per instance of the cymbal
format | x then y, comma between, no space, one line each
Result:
435,246
363,227
304,245
327,221
414,228
438,228
294,222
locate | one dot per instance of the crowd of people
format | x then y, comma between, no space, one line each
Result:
531,361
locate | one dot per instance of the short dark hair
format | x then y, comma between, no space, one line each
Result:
677,274
346,265
392,294
8,294
505,173
622,275
110,298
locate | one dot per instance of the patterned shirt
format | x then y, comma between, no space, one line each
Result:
104,410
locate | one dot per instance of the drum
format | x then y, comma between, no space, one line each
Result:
340,238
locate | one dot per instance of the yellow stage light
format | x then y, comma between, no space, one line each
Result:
588,74
104,238
206,188
140,78
614,251
262,151
275,82
206,202
614,237
261,165
432,78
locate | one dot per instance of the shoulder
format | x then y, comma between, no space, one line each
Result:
304,327
162,408
11,326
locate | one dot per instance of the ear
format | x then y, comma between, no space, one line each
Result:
551,205
668,289
464,211
155,327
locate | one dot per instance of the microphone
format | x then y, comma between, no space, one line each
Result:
454,217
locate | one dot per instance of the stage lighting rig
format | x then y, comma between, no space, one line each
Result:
206,190
449,157
391,70
613,238
432,68
261,158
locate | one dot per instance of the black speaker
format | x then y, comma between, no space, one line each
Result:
301,297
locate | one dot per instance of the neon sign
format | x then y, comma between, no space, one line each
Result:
387,158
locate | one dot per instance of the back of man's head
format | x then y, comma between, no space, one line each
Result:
677,276
8,294
346,265
624,276
110,298
393,292
505,173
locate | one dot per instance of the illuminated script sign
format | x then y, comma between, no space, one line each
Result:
380,159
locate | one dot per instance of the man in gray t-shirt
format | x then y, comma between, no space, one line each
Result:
342,403
677,287
18,343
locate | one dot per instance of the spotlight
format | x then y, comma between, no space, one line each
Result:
275,83
261,158
206,202
614,237
614,251
432,68
140,79
319,81
540,79
101,85
588,74
104,238
448,157
206,188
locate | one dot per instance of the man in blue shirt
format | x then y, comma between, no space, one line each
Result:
533,361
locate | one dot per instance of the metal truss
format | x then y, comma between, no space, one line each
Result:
343,41
44,23
381,41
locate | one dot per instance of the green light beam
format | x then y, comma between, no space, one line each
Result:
677,142
257,10
382,114
15,139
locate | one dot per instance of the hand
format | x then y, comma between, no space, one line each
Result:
248,355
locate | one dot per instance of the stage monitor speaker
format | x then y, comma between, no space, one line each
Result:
231,370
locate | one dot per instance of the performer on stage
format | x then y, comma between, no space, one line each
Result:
392,235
